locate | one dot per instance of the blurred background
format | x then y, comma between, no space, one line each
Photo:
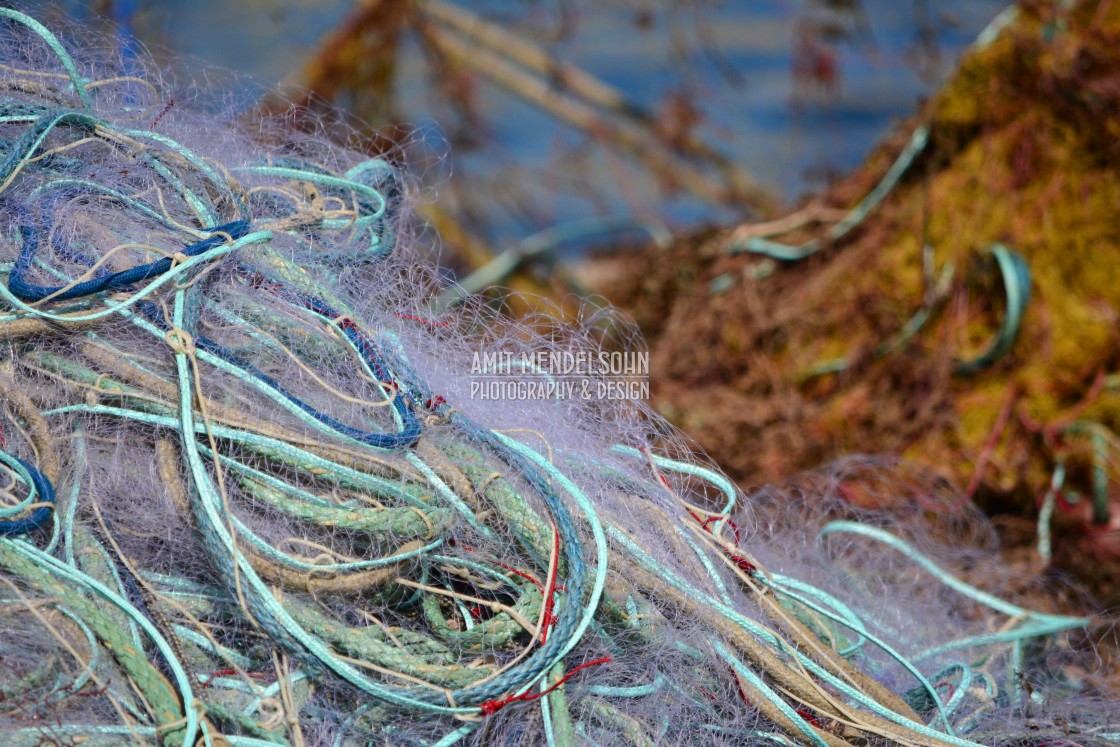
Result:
726,109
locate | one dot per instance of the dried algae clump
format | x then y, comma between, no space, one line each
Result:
807,361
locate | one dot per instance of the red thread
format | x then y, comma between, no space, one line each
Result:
989,448
744,565
808,717
523,574
719,517
166,109
455,543
734,529
422,320
548,618
1066,504
739,687
435,402
546,623
490,707
656,471
347,324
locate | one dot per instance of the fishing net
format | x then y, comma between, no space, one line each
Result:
252,498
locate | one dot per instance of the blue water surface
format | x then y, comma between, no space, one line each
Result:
737,59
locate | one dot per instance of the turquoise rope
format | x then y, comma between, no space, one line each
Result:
1016,276
859,628
769,638
272,614
722,483
789,253
60,52
756,682
61,570
1053,623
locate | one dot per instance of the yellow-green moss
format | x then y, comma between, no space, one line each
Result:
1023,151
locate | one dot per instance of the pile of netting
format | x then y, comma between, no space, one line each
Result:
250,499
954,300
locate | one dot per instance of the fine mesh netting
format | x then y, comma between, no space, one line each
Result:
252,497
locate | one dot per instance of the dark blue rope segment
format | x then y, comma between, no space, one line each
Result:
38,517
25,291
410,426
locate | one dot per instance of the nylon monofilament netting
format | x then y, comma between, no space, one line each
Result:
249,499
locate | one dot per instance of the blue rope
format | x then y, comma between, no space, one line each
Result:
113,282
409,433
41,487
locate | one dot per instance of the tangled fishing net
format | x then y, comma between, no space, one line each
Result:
249,498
